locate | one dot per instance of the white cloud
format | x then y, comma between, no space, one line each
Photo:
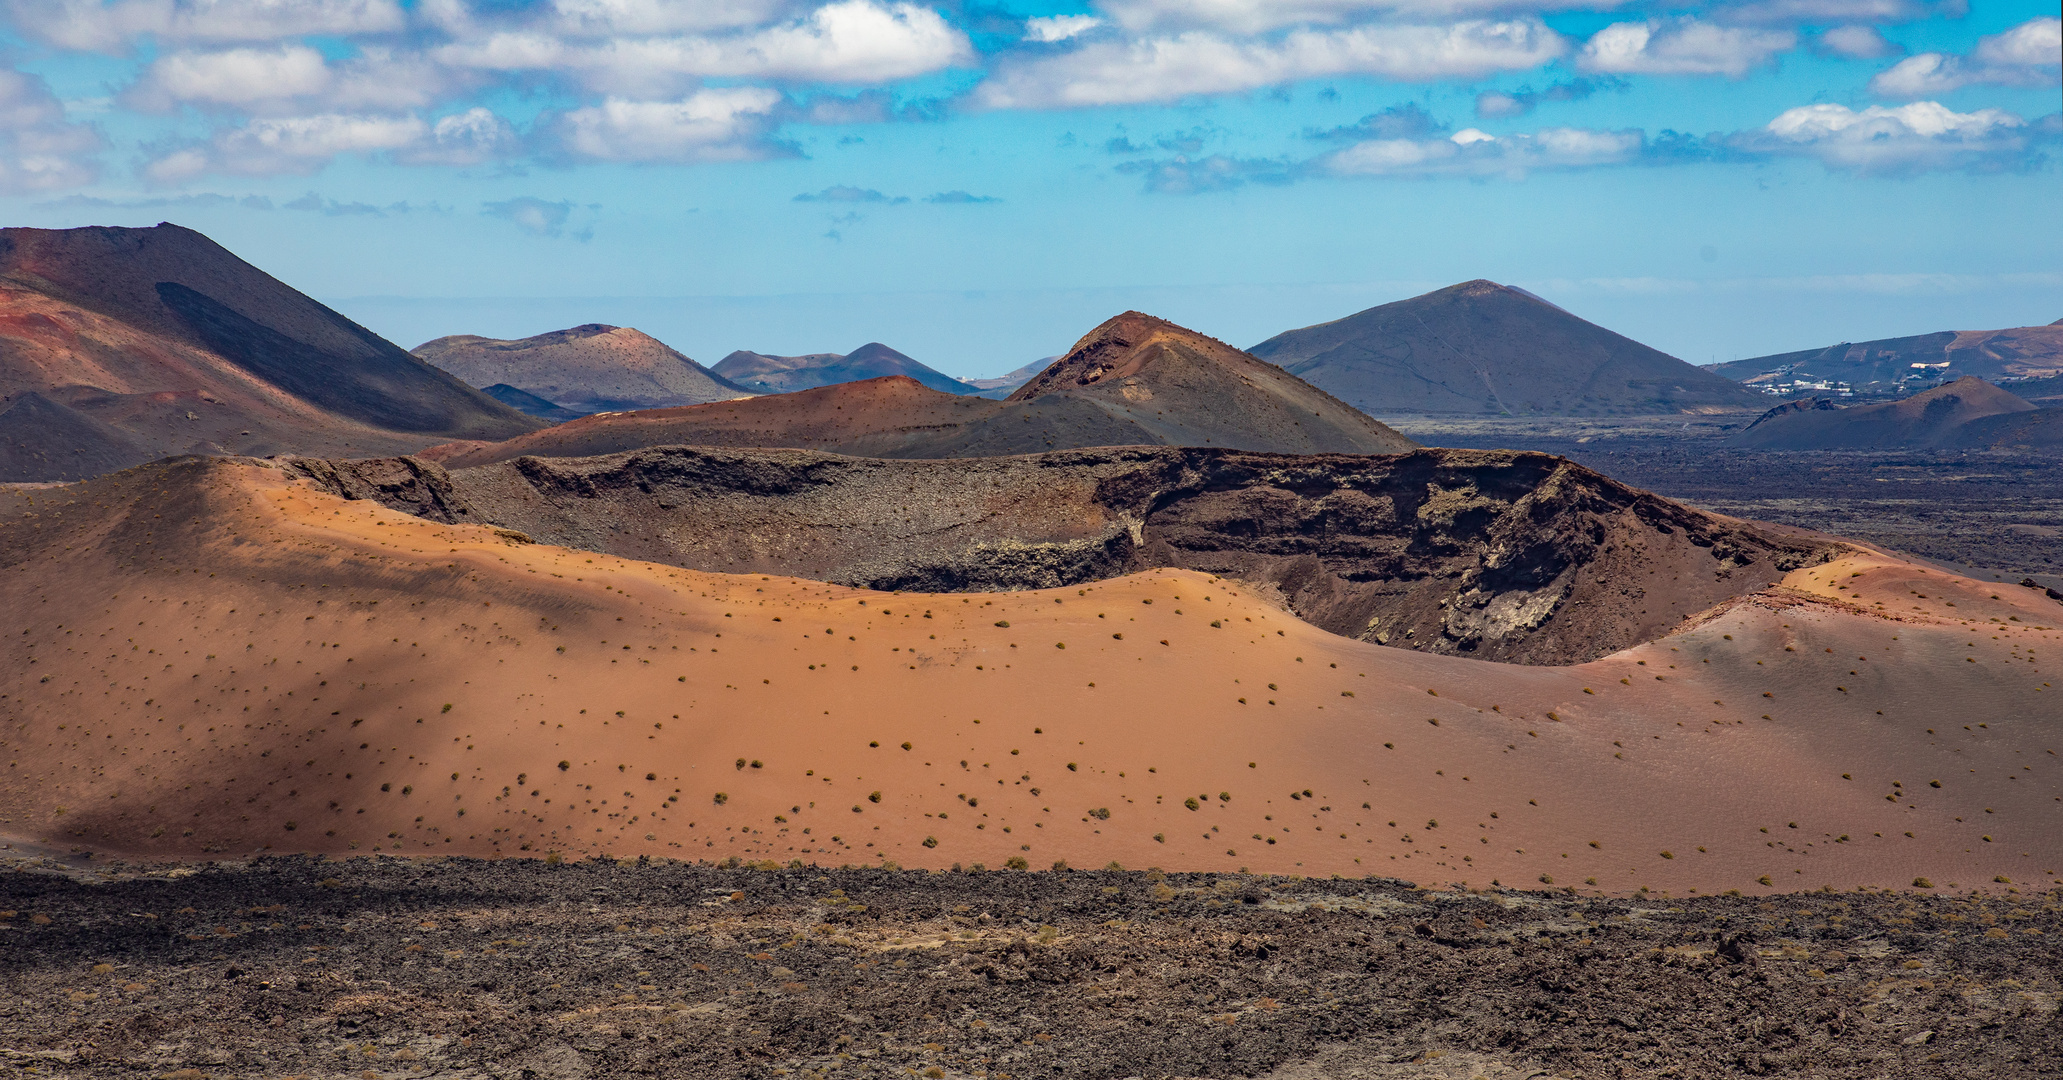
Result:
1169,68
613,18
39,149
1920,137
271,146
1050,28
287,80
729,124
233,77
850,41
1823,12
1259,16
113,27
2030,54
1470,152
1682,47
468,138
1856,43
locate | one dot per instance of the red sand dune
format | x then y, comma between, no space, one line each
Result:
204,657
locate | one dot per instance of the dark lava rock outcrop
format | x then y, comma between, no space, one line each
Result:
1511,556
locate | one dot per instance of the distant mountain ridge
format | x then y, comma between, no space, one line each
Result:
1480,348
1964,414
2024,352
142,343
590,368
767,374
1133,381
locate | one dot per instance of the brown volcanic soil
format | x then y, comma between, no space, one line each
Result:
178,345
400,967
1484,348
1931,418
1499,555
1192,390
591,368
455,690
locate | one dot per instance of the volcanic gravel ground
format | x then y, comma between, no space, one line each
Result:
377,967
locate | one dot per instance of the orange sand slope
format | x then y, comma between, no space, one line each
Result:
205,657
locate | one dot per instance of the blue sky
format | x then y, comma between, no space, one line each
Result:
978,185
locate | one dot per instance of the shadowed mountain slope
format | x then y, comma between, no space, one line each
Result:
379,683
1930,419
530,404
1193,390
163,335
585,369
2023,352
42,440
1484,348
784,374
1508,556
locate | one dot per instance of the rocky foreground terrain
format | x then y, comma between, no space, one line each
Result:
384,967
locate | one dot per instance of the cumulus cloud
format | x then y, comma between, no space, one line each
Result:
291,145
1470,152
614,18
1682,46
1923,136
96,26
1823,12
1855,43
536,216
1169,68
1050,28
1496,104
1260,16
39,149
285,80
2030,54
843,193
1406,121
850,41
959,198
727,124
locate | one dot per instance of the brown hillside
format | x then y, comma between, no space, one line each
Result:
1192,390
206,658
180,346
1931,418
786,374
2025,352
1507,556
1484,348
591,368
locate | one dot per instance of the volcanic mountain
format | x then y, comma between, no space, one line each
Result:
586,369
138,343
1935,418
2025,352
781,374
1519,557
1134,381
459,691
1484,348
1192,390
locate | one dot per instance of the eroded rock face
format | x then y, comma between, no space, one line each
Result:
1519,557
